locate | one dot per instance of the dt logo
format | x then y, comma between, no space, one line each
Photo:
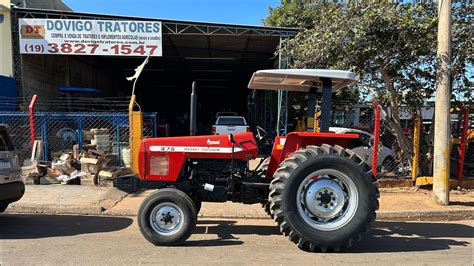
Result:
32,31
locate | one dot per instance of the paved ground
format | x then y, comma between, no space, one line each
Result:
67,199
394,203
399,203
53,239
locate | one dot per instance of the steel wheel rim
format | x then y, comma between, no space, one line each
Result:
334,216
166,218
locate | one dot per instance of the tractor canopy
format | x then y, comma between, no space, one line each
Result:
300,79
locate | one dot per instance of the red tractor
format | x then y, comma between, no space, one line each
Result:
321,194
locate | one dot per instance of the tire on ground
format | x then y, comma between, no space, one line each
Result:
162,198
263,170
297,168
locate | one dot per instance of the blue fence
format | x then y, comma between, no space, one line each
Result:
60,131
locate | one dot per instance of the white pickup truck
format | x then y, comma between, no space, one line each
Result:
230,125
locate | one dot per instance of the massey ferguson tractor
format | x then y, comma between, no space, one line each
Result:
321,195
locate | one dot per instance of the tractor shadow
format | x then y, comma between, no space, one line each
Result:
383,237
26,226
462,203
413,236
227,232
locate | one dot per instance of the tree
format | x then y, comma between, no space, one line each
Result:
391,47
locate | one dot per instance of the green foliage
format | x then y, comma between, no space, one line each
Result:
391,47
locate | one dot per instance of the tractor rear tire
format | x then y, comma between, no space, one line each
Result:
323,198
262,169
266,208
167,217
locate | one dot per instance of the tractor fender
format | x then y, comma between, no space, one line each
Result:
283,147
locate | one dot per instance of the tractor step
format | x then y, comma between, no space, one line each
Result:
252,184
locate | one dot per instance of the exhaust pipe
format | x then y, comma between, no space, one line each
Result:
193,111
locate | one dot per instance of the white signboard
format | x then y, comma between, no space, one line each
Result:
90,37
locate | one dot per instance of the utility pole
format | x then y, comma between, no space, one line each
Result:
442,114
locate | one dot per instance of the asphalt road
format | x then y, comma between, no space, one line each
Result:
63,239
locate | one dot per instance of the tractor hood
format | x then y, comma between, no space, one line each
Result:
205,146
169,154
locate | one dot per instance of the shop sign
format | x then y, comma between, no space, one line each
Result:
90,37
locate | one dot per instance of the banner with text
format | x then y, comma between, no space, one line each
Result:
90,37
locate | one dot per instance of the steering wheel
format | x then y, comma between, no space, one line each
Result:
261,133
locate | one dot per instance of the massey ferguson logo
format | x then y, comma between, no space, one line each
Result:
213,142
32,31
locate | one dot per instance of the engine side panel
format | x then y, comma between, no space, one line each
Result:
284,146
172,153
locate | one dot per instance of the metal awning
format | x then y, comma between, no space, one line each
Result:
299,79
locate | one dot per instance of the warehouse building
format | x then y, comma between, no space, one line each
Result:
220,58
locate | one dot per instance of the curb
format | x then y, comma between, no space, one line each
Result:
55,209
100,210
426,215
381,215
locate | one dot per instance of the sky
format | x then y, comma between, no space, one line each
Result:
247,12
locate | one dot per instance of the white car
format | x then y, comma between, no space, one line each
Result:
230,125
11,186
364,147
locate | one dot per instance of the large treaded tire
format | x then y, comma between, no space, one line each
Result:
266,208
175,198
262,169
289,176
197,205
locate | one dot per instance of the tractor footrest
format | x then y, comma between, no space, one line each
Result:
252,184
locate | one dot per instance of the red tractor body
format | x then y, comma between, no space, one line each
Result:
162,159
284,146
320,193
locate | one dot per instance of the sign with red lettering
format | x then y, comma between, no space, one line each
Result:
90,37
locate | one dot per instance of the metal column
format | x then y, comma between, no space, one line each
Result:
282,116
326,104
311,105
282,123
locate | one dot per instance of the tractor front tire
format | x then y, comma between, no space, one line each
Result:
323,198
197,205
167,217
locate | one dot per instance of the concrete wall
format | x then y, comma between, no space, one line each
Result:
6,64
44,74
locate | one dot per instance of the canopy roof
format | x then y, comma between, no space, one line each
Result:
299,79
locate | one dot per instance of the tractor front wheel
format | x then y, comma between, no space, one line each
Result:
167,217
323,197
